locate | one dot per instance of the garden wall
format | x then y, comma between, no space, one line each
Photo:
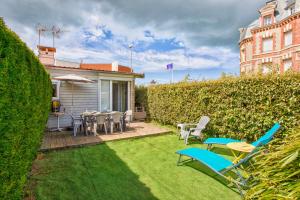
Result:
238,107
25,94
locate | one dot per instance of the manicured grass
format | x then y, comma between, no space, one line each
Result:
130,169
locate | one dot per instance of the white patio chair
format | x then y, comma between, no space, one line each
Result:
77,123
194,131
101,120
116,119
128,117
89,124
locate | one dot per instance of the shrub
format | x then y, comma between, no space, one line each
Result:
25,90
141,96
238,107
277,174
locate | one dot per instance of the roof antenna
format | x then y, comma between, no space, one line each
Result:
56,33
41,29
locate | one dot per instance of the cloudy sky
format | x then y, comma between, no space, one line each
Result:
199,36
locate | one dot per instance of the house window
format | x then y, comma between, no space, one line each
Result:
248,69
287,64
243,55
55,90
105,95
288,37
266,68
267,20
267,44
292,10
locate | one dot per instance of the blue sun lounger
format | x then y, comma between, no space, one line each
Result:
217,163
267,137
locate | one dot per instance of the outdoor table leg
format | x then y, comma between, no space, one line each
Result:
111,127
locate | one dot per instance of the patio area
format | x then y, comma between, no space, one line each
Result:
65,139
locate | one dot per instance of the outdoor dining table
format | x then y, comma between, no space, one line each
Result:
57,115
109,114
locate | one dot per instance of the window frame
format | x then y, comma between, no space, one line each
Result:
265,68
291,64
269,22
243,55
271,49
291,41
57,83
292,9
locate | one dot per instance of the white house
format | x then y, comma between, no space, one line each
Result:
112,89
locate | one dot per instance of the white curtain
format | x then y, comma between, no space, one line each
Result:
105,95
267,44
266,68
287,64
288,38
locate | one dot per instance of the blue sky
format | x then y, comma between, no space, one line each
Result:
199,37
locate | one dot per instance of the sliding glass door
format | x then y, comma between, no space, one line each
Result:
114,95
120,96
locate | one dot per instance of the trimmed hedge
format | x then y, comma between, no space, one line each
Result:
277,174
238,107
25,96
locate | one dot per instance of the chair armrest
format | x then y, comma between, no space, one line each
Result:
194,129
183,126
190,124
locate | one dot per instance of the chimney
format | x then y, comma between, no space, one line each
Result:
115,66
47,55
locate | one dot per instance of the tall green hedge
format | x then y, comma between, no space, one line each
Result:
25,94
238,107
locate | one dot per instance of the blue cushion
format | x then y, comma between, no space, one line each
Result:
223,141
208,158
266,138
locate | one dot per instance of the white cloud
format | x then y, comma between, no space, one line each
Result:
93,19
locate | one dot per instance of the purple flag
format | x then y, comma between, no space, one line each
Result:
169,66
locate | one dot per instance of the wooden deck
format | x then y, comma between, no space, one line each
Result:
65,139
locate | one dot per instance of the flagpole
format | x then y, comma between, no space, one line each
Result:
170,67
172,76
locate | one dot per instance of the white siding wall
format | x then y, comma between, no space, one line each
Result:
86,96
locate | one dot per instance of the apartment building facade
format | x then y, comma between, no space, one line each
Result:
271,43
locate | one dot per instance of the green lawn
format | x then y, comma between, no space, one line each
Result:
130,169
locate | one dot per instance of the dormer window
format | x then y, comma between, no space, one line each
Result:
267,13
267,20
292,10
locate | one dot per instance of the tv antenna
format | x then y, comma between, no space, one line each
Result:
41,29
56,33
